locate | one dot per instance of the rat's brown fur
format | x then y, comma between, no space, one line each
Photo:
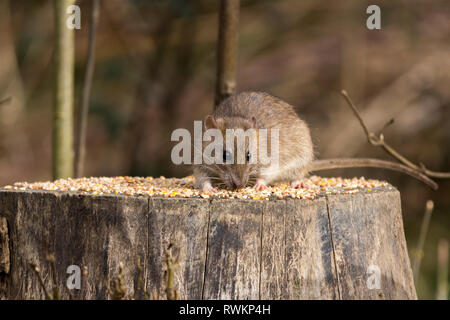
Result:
258,110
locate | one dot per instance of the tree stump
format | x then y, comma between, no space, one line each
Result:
346,246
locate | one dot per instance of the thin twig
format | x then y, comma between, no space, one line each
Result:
117,290
90,64
357,114
138,280
37,271
387,124
140,285
171,261
378,141
327,164
6,100
418,254
52,262
442,273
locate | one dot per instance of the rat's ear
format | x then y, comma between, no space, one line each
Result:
210,123
253,121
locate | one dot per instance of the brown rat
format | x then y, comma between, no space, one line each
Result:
257,110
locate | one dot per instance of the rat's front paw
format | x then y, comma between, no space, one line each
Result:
297,184
208,188
260,185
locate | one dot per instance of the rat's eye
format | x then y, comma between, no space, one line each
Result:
226,156
248,156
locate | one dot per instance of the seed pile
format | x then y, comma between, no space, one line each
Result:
312,187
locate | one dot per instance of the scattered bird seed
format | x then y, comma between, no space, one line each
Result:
312,188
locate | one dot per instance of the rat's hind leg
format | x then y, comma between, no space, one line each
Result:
289,173
297,178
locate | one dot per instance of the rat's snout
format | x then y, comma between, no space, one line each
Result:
238,182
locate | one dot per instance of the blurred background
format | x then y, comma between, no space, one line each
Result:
155,72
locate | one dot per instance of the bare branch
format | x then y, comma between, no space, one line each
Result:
328,164
378,141
227,49
6,100
418,254
37,271
357,114
90,63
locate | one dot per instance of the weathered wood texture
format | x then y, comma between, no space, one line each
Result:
334,247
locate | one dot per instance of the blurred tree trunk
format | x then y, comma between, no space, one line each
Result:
62,151
227,49
14,144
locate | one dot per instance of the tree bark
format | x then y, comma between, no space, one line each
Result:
346,246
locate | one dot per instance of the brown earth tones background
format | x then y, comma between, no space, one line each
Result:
155,72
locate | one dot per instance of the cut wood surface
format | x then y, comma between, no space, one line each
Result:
346,246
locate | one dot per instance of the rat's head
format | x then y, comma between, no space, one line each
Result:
238,152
